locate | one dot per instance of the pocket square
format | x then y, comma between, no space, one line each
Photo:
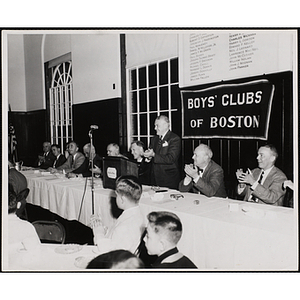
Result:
165,144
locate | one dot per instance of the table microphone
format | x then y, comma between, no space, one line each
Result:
94,127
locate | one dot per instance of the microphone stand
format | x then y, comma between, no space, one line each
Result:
92,166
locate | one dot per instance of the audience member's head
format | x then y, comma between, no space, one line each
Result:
161,125
128,190
72,148
117,259
87,149
202,156
55,148
137,150
12,200
164,230
267,156
113,149
46,147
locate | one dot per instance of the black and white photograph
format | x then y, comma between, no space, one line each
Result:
150,150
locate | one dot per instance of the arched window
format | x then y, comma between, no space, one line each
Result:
61,99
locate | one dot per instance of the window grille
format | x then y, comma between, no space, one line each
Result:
61,99
152,90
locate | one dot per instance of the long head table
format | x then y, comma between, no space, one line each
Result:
218,234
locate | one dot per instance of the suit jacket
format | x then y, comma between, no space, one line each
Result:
145,172
49,160
210,184
270,192
60,161
70,165
165,170
85,168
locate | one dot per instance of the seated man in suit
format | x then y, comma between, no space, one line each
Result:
164,151
205,176
164,231
113,149
46,159
60,158
137,150
263,184
85,169
75,160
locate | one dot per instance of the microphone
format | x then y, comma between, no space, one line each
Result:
94,127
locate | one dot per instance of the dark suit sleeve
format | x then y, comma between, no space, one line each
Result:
185,188
209,186
49,161
173,152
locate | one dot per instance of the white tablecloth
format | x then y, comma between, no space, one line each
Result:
218,234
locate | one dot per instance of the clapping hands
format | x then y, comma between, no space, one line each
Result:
97,225
191,171
244,177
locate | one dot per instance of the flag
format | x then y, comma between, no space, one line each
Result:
12,144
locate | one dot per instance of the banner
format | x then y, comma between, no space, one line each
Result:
228,111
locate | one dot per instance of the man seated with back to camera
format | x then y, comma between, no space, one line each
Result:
85,169
263,184
205,176
74,161
164,231
144,173
129,226
21,233
18,183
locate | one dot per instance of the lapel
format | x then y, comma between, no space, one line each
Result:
269,178
167,136
207,170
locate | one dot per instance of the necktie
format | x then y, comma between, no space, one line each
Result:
253,198
261,177
160,141
72,161
200,172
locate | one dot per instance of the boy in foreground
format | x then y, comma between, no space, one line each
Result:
128,228
164,231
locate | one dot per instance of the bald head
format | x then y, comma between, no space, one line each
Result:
202,156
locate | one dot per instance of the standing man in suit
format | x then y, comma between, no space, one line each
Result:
60,159
263,184
74,160
46,159
205,176
164,150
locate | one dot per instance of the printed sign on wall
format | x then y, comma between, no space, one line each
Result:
228,111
